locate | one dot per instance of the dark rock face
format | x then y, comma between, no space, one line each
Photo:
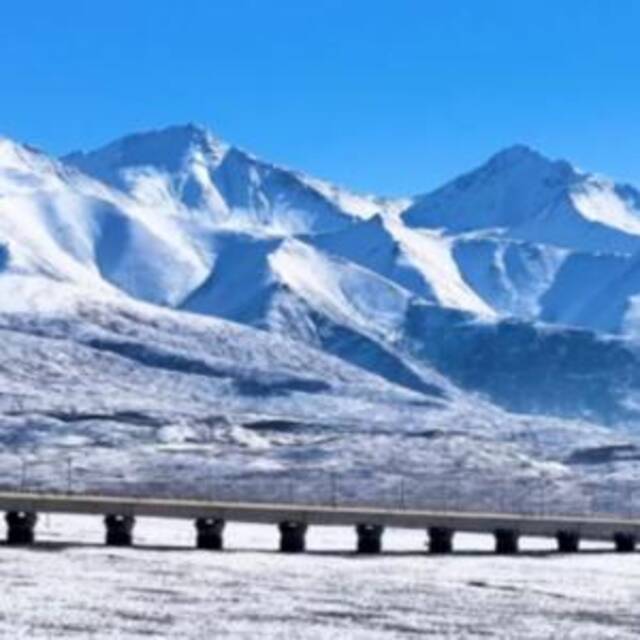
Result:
529,369
604,455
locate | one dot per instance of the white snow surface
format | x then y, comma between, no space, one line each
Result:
166,589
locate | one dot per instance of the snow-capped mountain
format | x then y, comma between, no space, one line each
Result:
506,282
526,196
187,172
171,280
539,239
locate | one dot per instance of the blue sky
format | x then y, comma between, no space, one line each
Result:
385,96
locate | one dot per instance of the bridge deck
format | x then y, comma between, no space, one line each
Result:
594,528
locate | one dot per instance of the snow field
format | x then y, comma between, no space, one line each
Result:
62,590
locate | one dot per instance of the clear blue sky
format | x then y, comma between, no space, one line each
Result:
390,96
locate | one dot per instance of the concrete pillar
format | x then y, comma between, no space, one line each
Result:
119,530
506,540
440,540
568,541
292,536
209,533
20,527
369,538
625,542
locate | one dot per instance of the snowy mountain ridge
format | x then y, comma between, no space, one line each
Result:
186,169
399,288
527,196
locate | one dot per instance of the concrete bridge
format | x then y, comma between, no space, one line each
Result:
209,518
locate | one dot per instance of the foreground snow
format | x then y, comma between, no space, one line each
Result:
87,590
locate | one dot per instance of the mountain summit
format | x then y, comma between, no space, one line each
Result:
525,195
169,149
186,170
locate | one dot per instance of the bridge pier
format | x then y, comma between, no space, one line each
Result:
20,527
625,542
506,541
440,540
369,538
119,530
209,533
568,541
292,536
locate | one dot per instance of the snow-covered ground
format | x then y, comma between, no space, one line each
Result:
71,586
134,398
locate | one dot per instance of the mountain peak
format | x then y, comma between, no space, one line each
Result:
165,148
12,152
521,156
518,168
534,197
191,133
516,153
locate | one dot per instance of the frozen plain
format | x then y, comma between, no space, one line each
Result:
72,586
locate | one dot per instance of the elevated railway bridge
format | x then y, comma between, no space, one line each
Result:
119,514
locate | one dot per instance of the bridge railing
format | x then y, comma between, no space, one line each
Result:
441,490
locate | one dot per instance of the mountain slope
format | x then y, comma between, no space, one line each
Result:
466,275
58,223
157,400
419,261
290,288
